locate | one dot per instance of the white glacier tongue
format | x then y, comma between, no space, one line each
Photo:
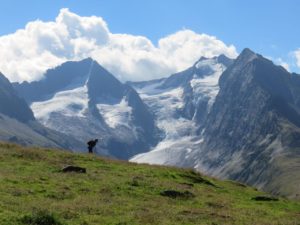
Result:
116,114
177,131
71,101
68,112
69,109
180,138
68,103
165,105
207,86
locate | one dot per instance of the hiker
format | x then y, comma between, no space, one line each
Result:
91,144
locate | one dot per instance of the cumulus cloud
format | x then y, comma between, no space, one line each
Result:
297,55
29,52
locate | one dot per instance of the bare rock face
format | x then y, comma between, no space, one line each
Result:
11,104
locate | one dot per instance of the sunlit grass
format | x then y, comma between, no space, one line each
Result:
118,192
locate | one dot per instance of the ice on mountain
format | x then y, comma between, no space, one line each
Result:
68,103
116,114
207,86
180,133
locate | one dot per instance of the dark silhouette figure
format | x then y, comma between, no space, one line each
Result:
91,144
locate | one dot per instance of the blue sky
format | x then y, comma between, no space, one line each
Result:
269,27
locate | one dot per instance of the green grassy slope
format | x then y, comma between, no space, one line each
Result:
32,189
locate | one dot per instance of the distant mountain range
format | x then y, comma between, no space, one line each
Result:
231,118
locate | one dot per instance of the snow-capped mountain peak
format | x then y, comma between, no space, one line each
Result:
86,101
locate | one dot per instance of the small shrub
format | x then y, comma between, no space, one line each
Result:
265,198
136,181
177,194
195,177
40,218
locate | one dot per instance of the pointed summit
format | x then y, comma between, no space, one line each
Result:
102,84
65,76
246,56
88,59
247,51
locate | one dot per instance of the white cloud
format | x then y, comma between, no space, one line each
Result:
29,52
282,63
297,55
286,66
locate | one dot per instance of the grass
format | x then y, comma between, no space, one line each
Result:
33,190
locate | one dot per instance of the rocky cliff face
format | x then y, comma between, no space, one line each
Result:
246,131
